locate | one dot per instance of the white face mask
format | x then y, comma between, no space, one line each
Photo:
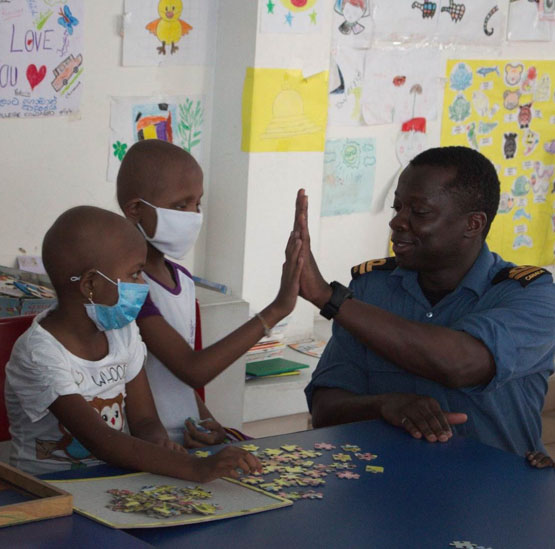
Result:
176,232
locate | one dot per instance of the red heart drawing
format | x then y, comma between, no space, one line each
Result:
35,76
30,41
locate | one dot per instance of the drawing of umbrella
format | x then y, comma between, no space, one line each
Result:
415,90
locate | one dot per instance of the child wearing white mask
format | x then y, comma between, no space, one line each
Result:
159,188
76,390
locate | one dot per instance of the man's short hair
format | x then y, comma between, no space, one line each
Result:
475,183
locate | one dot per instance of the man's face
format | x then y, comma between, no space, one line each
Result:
428,228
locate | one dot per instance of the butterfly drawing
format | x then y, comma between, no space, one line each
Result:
67,20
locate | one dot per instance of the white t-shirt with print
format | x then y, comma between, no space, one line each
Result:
40,370
175,400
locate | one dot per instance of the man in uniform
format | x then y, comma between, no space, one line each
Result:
444,334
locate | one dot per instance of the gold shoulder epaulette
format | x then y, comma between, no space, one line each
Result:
386,264
525,274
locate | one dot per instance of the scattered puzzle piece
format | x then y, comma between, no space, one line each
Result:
311,494
341,457
374,469
289,447
324,446
250,447
350,448
348,475
203,453
273,452
366,457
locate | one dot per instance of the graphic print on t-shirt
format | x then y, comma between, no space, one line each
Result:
68,448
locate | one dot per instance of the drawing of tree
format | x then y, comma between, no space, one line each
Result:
189,128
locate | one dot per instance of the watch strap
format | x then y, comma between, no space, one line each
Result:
339,294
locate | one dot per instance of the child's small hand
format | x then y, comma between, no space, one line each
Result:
227,463
290,276
193,438
539,460
171,445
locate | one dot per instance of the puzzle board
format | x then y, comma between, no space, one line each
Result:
91,498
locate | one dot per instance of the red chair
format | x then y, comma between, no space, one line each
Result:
10,329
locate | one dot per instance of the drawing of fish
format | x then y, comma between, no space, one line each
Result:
484,71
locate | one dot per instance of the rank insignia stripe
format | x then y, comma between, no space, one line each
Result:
384,264
524,274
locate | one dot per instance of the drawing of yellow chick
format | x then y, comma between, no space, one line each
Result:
169,28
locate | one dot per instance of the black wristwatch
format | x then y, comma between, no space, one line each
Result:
339,295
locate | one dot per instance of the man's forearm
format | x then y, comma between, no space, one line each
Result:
450,357
336,406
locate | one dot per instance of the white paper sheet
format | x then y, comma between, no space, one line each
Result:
352,23
524,23
400,85
474,22
41,57
291,16
185,35
346,80
177,119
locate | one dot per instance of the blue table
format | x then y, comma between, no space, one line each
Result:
428,496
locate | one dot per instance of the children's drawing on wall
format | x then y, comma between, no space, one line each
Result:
525,24
41,61
505,109
400,85
178,120
169,32
411,141
440,21
346,78
283,111
352,23
349,173
291,16
547,10
169,28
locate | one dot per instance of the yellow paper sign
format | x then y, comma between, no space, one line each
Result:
282,111
506,110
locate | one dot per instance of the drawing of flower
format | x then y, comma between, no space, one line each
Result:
189,128
119,150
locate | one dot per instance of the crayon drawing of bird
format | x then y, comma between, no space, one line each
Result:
169,28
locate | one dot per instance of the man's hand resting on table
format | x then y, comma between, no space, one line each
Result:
421,416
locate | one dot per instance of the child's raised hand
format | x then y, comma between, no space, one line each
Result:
539,460
227,463
290,276
194,438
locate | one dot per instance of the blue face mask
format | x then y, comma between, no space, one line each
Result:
111,317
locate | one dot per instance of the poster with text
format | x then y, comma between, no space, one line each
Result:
169,32
476,22
349,173
177,119
506,110
291,16
41,57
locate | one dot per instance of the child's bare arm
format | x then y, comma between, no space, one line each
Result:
197,368
142,417
127,451
539,460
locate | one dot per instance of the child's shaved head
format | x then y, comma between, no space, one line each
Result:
151,165
84,238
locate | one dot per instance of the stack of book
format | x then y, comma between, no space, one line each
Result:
273,367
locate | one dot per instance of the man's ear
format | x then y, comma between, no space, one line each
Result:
475,225
133,210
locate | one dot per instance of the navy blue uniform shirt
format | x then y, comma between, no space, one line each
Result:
516,323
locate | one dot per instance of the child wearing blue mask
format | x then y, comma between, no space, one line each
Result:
76,390
159,188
